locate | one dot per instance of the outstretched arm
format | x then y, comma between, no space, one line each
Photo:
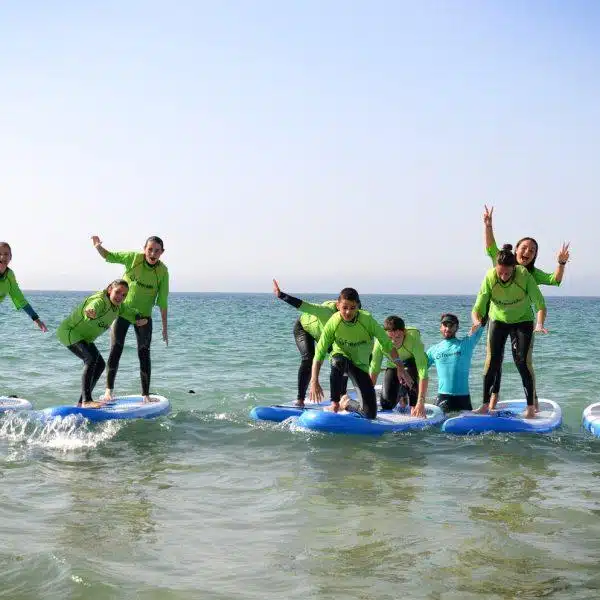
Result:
295,302
562,258
103,252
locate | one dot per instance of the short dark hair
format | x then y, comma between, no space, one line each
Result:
394,323
155,238
349,294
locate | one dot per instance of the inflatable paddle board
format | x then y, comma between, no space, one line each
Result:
507,419
353,423
13,403
591,418
122,407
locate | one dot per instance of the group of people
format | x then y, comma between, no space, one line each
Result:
357,344
124,302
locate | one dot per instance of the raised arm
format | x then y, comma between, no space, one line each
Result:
103,252
490,240
562,258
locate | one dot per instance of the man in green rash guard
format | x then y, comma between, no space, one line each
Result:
509,290
79,330
408,344
148,280
307,331
350,334
10,287
526,252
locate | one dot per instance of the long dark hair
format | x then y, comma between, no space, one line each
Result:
531,265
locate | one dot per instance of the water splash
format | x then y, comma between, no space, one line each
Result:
65,434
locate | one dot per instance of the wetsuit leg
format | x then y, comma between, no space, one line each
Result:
453,403
365,391
338,376
306,346
144,339
93,367
118,331
389,392
521,337
497,335
412,392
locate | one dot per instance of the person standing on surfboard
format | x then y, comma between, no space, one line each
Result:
148,280
526,252
90,319
408,344
509,290
307,331
10,287
350,333
452,359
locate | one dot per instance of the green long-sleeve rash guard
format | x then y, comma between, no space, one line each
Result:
541,277
352,339
77,327
412,347
148,284
509,302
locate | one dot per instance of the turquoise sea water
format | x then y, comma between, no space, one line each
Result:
206,504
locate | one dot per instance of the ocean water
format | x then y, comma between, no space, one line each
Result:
206,504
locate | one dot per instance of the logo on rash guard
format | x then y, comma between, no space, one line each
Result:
144,285
343,342
103,324
448,354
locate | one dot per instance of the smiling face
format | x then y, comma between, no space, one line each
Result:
526,252
396,335
347,308
152,252
448,330
5,257
117,293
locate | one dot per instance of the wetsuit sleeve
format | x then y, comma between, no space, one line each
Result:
418,352
121,258
327,338
534,294
162,299
543,278
376,359
29,310
15,292
483,298
492,252
295,302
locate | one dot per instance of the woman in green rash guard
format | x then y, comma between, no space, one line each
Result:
79,330
10,287
148,280
350,334
307,331
509,290
408,344
526,252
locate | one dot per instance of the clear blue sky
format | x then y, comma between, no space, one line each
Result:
326,143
